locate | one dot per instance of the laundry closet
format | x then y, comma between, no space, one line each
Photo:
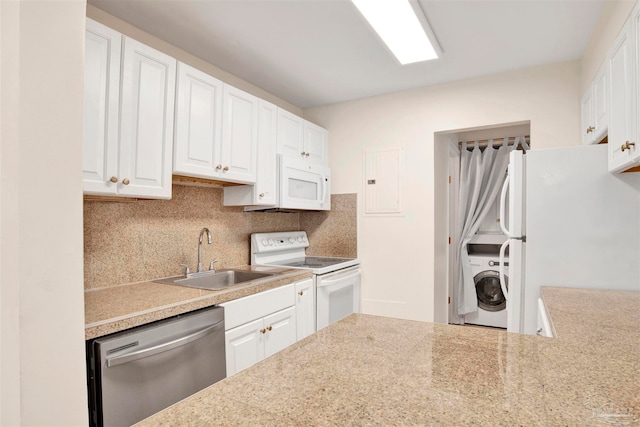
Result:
478,162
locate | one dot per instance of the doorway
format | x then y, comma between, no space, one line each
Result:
447,146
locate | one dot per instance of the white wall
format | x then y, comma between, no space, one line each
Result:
401,264
42,335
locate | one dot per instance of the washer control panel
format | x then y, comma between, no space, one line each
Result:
270,242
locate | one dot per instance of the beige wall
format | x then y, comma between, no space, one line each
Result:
9,241
144,37
398,253
614,14
43,373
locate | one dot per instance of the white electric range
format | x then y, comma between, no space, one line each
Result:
336,280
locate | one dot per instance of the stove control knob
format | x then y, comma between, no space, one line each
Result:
270,242
264,242
300,239
291,240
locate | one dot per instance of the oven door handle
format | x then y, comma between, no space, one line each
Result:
334,279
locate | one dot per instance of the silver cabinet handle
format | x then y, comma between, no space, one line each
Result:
160,348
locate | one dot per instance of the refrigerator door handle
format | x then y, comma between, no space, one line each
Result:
503,206
503,285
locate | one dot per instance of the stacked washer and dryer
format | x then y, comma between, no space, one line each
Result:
492,304
485,262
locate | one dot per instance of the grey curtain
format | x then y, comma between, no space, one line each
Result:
481,176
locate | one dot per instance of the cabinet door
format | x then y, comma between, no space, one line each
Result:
239,136
146,133
244,346
266,184
622,120
316,143
290,134
281,331
601,103
587,123
305,309
101,107
198,123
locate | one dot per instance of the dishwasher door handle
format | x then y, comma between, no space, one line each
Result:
166,346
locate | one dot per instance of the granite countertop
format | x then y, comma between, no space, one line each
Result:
374,371
116,308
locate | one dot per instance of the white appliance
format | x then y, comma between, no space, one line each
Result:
571,224
492,304
301,186
336,280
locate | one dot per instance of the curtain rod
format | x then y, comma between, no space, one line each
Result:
496,141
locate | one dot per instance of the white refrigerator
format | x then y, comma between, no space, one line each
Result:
570,223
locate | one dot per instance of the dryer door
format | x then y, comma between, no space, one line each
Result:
490,296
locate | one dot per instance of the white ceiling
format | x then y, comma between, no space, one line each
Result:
319,52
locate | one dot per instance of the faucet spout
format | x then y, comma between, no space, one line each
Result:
209,241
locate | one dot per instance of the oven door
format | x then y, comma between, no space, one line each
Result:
304,185
337,295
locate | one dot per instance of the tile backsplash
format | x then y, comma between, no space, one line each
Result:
139,240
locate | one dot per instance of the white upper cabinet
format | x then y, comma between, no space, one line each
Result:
198,123
601,103
595,108
146,124
266,188
299,138
586,114
239,136
216,129
128,116
290,134
101,108
264,192
316,143
623,152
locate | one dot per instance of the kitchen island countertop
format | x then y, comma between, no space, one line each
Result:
374,371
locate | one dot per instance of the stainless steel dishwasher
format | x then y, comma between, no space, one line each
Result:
136,373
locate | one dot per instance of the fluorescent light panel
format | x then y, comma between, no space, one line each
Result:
398,26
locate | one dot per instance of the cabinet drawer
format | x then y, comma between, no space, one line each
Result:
243,310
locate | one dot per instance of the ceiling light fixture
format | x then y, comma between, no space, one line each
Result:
396,23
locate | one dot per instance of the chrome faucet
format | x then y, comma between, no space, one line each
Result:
204,230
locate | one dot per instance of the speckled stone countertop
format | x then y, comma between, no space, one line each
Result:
375,371
116,308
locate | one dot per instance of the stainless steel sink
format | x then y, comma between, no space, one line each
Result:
218,280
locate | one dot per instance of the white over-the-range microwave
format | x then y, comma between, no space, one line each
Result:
301,186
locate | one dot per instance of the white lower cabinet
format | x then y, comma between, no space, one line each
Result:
259,326
279,331
544,322
248,344
305,309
